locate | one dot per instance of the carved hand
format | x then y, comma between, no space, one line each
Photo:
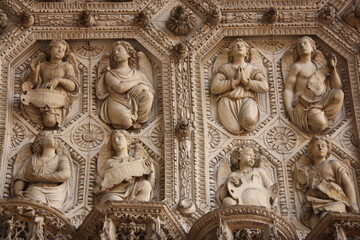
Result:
243,78
18,193
353,208
332,62
235,181
35,65
138,89
53,83
148,162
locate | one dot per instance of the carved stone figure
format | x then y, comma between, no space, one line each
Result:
50,86
245,179
142,19
123,173
3,20
87,19
353,17
181,21
127,93
271,15
313,95
180,51
42,171
238,75
214,17
326,184
26,19
327,13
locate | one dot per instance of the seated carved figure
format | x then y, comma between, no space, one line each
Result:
246,184
237,82
42,171
325,185
126,92
353,17
121,176
313,95
51,86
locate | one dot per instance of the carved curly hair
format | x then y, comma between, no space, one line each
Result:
235,155
315,139
129,49
312,43
247,56
37,145
55,42
122,132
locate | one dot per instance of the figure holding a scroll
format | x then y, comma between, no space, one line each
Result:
121,174
324,184
50,86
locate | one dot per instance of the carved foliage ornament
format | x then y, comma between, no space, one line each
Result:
3,20
181,21
88,136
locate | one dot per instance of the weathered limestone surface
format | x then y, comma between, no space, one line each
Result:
175,113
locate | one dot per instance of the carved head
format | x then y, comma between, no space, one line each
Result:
239,46
319,147
120,139
45,139
243,157
305,45
128,48
357,10
57,45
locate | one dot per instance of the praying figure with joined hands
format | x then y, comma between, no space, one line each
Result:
236,81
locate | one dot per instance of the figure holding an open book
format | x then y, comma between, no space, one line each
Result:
121,175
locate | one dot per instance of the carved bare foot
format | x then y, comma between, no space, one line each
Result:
136,125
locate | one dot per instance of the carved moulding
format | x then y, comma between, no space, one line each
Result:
233,222
25,219
142,220
337,226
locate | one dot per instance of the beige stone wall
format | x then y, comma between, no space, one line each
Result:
184,164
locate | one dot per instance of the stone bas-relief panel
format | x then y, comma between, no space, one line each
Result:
50,86
84,132
312,95
122,176
42,172
326,185
237,82
182,131
127,93
244,180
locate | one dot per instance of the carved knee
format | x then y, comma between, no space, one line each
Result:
124,124
49,120
228,201
249,123
317,120
338,96
143,191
